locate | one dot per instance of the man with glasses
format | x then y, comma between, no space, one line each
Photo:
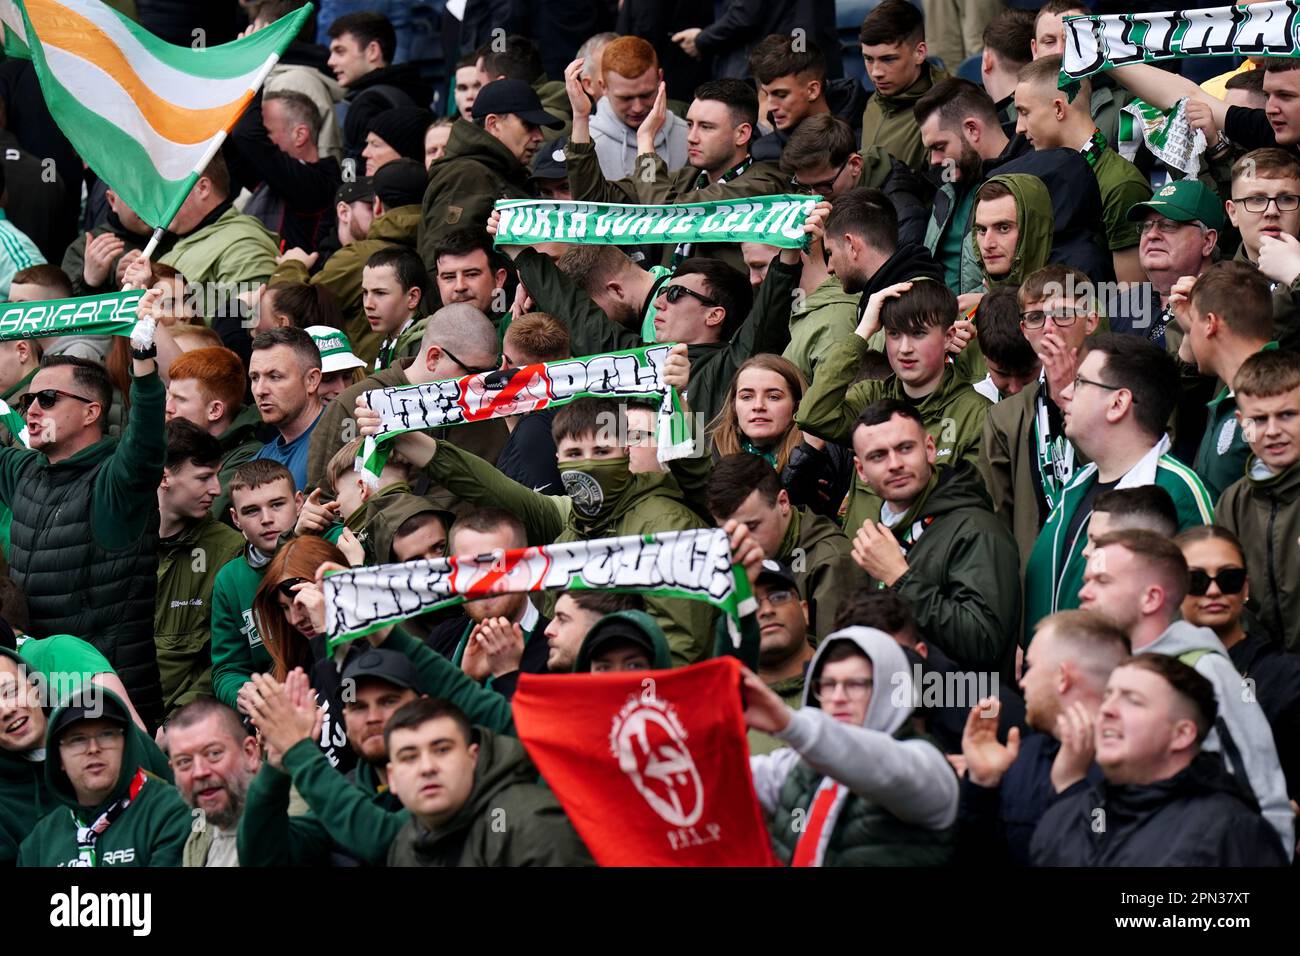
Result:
120,814
1178,229
1115,412
458,340
859,784
1024,455
1137,580
1265,203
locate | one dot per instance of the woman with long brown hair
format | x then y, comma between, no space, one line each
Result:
284,621
758,417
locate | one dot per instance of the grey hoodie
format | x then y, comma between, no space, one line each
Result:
910,778
615,143
1249,742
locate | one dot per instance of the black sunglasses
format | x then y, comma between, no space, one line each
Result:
674,293
469,368
1229,580
286,587
48,397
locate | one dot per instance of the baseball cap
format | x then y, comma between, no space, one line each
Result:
615,629
401,183
513,96
385,665
103,706
335,349
777,573
359,190
549,161
1184,200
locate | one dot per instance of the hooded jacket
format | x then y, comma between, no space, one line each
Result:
650,503
341,274
234,248
472,175
151,831
910,193
661,658
897,805
953,415
505,787
615,142
1035,224
820,320
1198,817
1054,572
1241,732
1263,511
1276,675
959,582
888,121
365,101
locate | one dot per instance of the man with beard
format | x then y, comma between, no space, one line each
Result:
214,759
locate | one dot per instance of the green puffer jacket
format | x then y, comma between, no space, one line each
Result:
472,175
151,831
505,786
713,364
182,622
888,121
824,318
1263,510
651,503
238,445
341,274
953,415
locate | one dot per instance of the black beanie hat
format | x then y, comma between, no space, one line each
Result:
403,129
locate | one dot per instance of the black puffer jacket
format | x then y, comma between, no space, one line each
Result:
1201,816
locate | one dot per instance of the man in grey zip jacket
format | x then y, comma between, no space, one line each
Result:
892,797
1138,580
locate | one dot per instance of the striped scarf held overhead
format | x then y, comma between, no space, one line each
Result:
686,249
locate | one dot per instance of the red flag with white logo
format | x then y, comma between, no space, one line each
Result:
652,767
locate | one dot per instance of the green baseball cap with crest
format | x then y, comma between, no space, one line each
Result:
335,349
1184,200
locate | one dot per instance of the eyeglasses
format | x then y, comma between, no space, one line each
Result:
821,187
473,370
1285,202
1166,227
1061,318
104,740
48,397
855,688
1229,580
286,587
777,598
1080,380
674,293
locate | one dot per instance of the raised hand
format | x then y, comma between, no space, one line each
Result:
654,121
745,549
1074,729
877,551
579,101
677,368
316,515
987,760
764,710
101,250
870,323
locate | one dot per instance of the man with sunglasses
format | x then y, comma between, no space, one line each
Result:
1137,580
91,571
1024,456
785,646
458,340
1115,411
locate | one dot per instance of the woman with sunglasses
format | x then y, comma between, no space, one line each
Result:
758,417
1218,597
283,609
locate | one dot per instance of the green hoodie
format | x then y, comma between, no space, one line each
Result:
1035,222
888,121
238,445
151,831
237,648
953,414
